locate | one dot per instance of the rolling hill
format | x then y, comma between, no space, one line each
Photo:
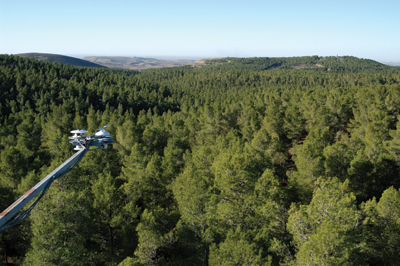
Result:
136,63
61,59
333,64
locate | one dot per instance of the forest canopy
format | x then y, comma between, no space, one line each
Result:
240,161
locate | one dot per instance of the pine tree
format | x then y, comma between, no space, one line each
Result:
327,231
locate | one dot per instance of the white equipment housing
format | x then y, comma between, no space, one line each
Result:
78,139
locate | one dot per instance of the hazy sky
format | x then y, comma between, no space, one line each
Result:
218,28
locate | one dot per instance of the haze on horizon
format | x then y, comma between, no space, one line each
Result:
365,29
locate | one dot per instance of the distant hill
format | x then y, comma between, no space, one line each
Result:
136,63
335,64
60,59
391,63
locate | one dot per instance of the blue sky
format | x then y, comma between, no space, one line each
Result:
153,28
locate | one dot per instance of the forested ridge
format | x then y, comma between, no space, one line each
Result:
337,64
60,59
238,162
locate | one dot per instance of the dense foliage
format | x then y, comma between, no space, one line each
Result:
247,162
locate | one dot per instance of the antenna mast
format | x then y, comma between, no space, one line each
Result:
82,143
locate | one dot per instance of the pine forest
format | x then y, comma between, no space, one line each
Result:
238,161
